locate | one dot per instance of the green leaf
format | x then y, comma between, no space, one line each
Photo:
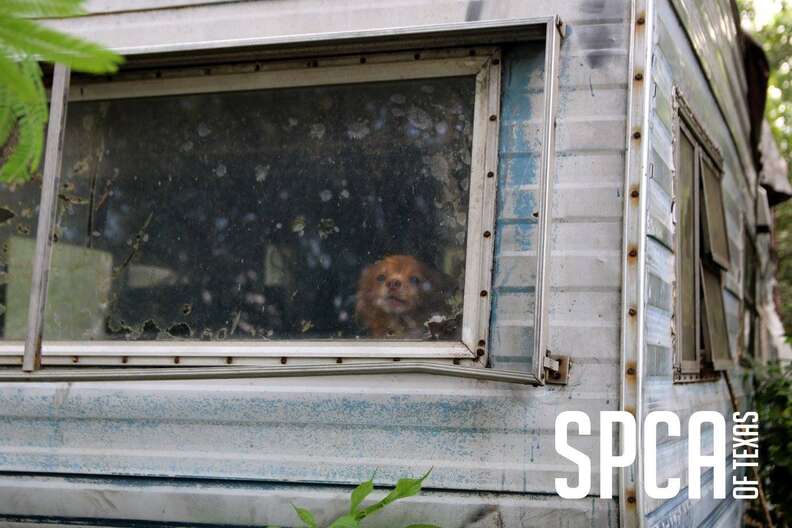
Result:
52,46
346,521
405,487
41,8
360,493
305,516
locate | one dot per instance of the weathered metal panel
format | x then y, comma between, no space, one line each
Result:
675,64
52,499
336,431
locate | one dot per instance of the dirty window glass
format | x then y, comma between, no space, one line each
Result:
19,205
319,212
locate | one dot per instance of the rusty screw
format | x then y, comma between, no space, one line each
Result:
487,234
483,293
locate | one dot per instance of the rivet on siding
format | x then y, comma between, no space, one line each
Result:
493,117
635,193
75,359
456,361
639,76
124,359
495,61
283,361
229,360
396,359
637,134
479,352
339,360
633,253
481,343
535,214
487,234
362,60
176,360
490,174
641,20
631,371
483,293
631,499
633,312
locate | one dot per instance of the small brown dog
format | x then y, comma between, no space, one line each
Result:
397,295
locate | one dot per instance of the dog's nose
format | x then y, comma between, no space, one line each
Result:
393,284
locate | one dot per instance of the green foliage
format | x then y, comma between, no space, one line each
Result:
773,402
406,487
23,100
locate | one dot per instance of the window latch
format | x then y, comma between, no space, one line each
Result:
556,369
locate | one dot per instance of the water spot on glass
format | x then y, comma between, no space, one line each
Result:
305,326
88,123
81,166
343,316
221,334
220,170
427,88
298,225
270,333
27,212
249,217
398,99
317,131
419,118
204,130
180,330
441,128
327,227
6,215
283,195
206,296
358,130
262,171
344,194
187,146
398,112
326,195
293,122
279,226
255,298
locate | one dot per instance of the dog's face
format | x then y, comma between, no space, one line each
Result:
396,285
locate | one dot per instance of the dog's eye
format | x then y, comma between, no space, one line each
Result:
380,278
415,280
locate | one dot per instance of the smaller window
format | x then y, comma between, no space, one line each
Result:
702,250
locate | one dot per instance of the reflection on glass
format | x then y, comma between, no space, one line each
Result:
266,214
19,205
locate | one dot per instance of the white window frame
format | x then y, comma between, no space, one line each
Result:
474,53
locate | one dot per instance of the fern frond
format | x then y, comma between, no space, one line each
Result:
7,118
52,46
16,83
41,8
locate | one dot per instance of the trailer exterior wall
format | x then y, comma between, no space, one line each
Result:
696,51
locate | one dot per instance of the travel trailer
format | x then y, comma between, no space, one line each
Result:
296,243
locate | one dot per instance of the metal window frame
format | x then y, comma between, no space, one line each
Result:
482,209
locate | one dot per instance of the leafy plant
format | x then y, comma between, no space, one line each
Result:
23,100
405,487
773,402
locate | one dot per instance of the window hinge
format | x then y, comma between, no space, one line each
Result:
556,369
